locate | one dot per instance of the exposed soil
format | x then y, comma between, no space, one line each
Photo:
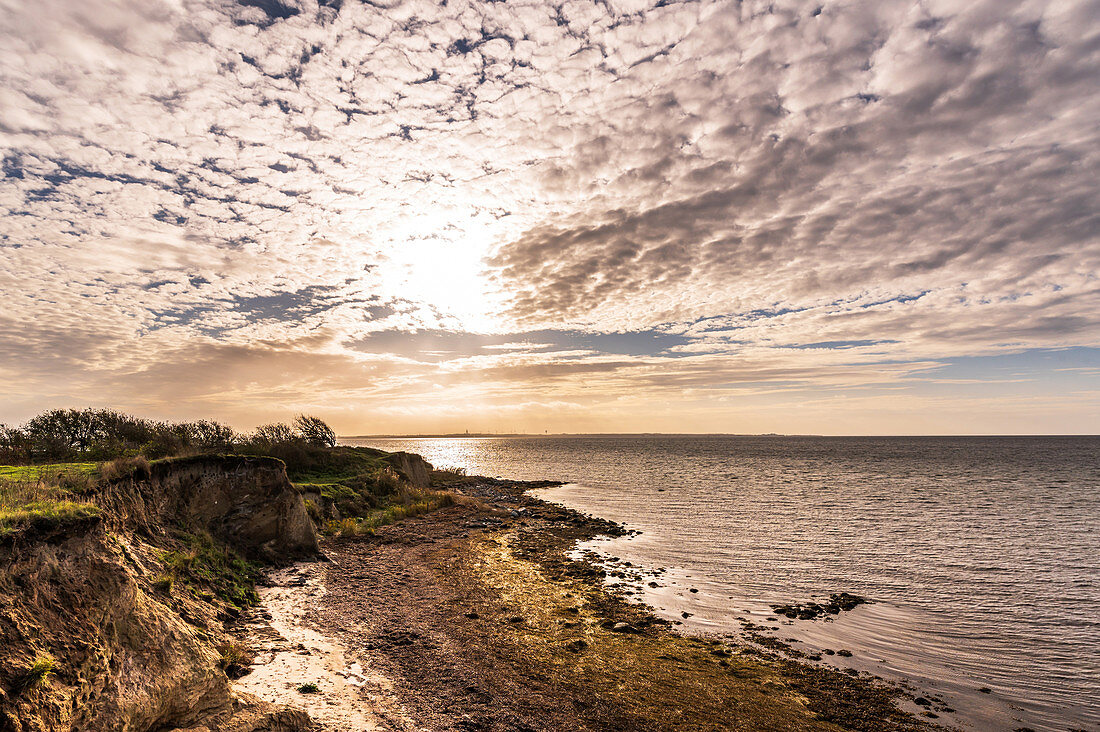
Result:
479,620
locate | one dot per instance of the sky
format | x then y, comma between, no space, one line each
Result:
829,217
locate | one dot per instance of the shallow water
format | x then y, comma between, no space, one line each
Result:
982,554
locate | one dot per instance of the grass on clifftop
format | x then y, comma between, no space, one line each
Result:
44,516
44,497
359,491
322,465
48,473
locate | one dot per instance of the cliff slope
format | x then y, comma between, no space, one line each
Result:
116,622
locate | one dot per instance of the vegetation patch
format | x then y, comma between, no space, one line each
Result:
327,466
360,491
41,498
406,505
202,565
313,511
45,516
452,477
50,473
235,659
310,688
163,583
38,674
122,467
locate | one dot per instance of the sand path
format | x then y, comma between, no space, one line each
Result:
290,653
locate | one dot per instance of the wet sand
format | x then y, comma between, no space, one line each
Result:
291,651
475,617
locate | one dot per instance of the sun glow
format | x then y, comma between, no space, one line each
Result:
440,263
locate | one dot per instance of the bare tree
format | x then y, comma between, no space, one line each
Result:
314,430
274,434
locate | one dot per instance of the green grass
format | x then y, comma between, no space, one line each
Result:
203,566
38,674
44,516
356,494
337,465
48,473
364,490
310,688
43,497
313,511
331,491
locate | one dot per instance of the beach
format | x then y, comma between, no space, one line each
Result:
475,617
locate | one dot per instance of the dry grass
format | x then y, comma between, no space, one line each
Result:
452,470
235,659
452,477
43,496
16,494
122,467
407,503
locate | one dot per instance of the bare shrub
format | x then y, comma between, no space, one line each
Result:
122,467
314,431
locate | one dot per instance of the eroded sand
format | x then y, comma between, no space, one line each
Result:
290,653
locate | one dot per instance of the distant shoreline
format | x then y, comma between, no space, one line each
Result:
566,434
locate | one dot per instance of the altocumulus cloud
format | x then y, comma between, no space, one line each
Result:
642,209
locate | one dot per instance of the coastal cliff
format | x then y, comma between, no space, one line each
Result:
124,609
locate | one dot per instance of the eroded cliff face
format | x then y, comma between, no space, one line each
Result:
413,468
245,502
132,652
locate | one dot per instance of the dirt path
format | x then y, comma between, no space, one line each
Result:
290,653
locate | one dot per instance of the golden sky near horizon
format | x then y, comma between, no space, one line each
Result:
823,217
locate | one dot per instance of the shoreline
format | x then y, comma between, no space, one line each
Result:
475,617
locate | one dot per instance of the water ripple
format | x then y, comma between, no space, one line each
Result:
983,553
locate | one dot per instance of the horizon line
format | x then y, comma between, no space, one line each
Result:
435,435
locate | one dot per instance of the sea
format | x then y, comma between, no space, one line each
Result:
980,555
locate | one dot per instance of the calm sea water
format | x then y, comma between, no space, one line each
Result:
982,554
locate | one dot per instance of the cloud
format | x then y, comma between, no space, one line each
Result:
658,198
